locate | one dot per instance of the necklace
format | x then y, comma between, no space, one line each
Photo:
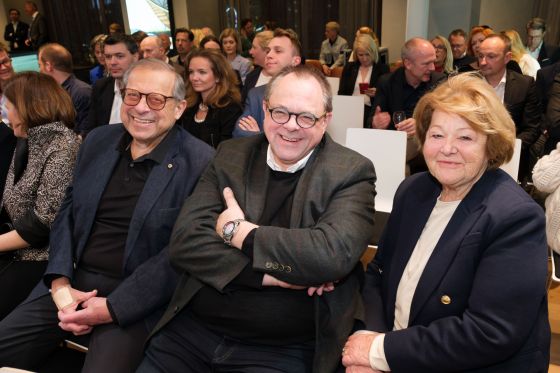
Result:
203,107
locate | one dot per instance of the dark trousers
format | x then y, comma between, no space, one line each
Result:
17,279
185,345
31,333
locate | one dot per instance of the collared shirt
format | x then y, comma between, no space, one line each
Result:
293,168
117,103
332,53
536,52
104,250
500,89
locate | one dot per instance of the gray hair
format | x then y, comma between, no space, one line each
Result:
158,65
301,72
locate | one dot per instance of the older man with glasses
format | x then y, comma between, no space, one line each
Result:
269,245
109,274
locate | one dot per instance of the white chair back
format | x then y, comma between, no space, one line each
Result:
348,112
512,167
335,83
387,150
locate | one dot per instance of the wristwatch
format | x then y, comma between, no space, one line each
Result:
229,230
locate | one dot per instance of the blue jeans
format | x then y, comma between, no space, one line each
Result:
185,345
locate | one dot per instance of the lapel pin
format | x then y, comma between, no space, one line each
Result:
445,299
170,166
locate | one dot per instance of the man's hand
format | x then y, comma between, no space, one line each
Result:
269,280
76,296
407,125
232,212
326,70
249,124
381,119
94,312
356,349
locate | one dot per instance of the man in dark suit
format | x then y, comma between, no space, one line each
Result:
544,53
152,47
109,274
38,33
16,32
269,245
458,41
120,52
517,92
56,61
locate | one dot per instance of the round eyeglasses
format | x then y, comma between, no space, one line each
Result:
282,116
155,101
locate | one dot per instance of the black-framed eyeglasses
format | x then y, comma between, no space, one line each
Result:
282,116
155,101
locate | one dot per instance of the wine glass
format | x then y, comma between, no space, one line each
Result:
398,116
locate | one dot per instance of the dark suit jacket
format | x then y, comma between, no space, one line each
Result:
18,37
332,221
547,55
522,102
350,74
250,80
553,115
545,77
102,95
38,31
253,107
7,147
149,279
491,261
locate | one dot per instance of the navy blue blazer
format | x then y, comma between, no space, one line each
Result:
149,279
491,261
253,107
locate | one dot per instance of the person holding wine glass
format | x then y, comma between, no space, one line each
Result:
359,77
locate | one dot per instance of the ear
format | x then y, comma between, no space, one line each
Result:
406,63
325,122
296,60
507,57
180,108
49,66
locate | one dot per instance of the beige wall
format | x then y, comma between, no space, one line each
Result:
506,14
180,14
203,13
393,27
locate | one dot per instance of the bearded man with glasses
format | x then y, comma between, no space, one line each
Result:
269,245
109,274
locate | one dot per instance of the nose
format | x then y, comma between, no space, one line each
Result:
449,147
142,105
291,124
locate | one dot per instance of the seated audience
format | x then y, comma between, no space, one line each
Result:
56,61
444,56
518,93
152,47
109,274
213,100
96,48
476,36
464,289
269,246
332,48
246,33
7,138
546,54
359,78
258,75
364,30
458,41
284,50
528,64
546,177
41,115
120,52
210,42
184,42
231,46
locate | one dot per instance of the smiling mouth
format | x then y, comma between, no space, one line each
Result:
142,121
288,139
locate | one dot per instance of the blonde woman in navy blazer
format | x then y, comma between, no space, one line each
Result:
478,302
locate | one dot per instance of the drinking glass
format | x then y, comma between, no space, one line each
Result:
398,116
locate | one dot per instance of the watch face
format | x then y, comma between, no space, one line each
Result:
228,228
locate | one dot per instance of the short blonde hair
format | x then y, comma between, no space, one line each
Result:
517,48
263,38
473,99
366,42
332,25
